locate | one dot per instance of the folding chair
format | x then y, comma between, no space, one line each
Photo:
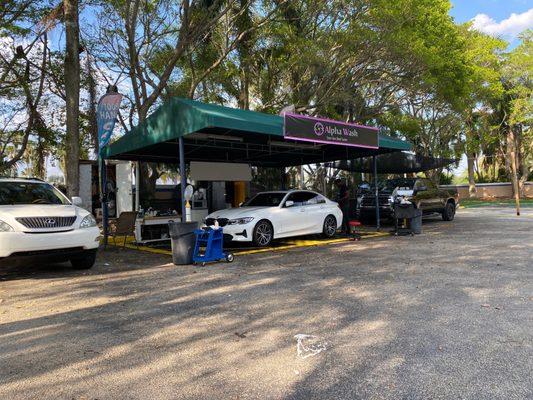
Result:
125,225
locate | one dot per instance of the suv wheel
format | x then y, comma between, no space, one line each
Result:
330,226
449,212
85,260
263,233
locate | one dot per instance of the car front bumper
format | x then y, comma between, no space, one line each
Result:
238,233
21,243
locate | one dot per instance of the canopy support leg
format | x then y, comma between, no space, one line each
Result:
376,191
137,185
103,197
183,178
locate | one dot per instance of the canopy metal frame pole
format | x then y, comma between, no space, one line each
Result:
104,194
183,177
376,191
137,185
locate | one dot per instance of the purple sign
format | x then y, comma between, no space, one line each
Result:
106,115
321,130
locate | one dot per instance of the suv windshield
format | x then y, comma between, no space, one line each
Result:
390,184
272,199
30,193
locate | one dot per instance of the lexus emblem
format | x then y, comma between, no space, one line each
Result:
50,222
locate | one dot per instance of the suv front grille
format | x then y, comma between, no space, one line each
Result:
370,201
46,222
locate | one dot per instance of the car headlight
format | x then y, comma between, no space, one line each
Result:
88,222
5,227
240,221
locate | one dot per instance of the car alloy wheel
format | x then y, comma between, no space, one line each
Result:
263,233
330,226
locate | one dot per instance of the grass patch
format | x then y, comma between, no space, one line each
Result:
473,203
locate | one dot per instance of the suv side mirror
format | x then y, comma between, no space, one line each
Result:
77,201
289,203
422,188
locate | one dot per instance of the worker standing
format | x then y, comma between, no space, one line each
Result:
343,198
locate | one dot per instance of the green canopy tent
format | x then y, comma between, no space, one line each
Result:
222,134
183,130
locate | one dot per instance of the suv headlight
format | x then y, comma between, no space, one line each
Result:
5,227
240,221
88,222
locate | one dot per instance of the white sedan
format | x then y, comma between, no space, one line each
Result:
279,214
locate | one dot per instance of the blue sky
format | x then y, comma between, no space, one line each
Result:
465,10
502,18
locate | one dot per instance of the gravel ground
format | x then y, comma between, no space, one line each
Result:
445,315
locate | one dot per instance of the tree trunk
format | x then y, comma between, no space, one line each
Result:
471,178
148,181
511,150
91,88
72,92
522,166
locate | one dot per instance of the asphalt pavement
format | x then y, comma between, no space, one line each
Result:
444,315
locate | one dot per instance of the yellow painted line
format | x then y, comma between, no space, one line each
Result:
130,245
294,244
291,244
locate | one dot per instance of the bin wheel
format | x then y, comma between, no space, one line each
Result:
203,264
229,257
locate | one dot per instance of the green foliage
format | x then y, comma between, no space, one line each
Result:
403,65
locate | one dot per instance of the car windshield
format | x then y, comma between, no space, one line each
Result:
30,193
390,184
269,199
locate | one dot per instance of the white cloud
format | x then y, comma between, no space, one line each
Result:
509,27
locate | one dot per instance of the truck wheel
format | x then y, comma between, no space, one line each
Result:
449,212
85,260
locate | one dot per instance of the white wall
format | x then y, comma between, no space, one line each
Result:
86,186
124,187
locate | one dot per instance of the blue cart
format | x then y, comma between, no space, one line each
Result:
209,246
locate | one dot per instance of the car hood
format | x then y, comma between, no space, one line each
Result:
40,210
232,213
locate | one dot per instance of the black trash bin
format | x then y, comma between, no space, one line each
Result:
183,239
416,222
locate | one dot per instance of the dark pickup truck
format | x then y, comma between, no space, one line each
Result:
428,197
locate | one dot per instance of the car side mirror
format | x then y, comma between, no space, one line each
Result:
289,203
77,201
422,189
